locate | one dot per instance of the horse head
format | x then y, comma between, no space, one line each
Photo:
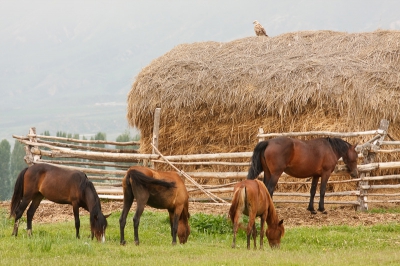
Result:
98,226
350,159
183,227
274,234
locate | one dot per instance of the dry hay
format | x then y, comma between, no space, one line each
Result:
214,96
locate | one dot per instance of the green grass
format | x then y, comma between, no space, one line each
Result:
208,244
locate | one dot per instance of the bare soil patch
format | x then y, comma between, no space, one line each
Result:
293,215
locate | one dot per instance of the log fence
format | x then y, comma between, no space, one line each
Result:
105,167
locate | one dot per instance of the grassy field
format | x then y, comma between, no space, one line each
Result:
208,244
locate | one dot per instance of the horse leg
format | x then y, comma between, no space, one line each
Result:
235,227
263,219
321,207
267,177
75,208
18,213
272,183
174,227
250,226
31,211
254,233
313,189
171,222
175,222
136,221
128,200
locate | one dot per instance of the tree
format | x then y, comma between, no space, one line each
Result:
5,184
17,162
99,136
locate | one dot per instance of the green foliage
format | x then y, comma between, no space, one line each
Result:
46,133
210,224
17,161
5,182
385,210
55,244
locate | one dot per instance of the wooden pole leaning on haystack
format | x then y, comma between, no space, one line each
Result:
208,193
156,130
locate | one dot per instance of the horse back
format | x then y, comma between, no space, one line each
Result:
300,158
159,196
56,184
255,197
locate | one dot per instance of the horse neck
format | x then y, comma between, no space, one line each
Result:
338,148
92,201
272,217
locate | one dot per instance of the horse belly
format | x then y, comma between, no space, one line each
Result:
304,167
301,172
55,196
158,202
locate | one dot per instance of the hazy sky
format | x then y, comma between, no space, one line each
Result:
90,51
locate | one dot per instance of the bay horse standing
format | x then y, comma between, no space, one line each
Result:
251,198
60,185
161,190
302,158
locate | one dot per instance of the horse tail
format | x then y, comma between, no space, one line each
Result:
143,180
18,192
238,202
256,167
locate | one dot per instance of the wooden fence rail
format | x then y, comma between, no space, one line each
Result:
106,166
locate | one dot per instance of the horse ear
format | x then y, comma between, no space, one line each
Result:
280,222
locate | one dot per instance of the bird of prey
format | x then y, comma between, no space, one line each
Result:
259,29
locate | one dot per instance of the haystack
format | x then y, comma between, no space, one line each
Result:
214,96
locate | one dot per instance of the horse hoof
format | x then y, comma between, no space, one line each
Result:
137,243
122,243
313,211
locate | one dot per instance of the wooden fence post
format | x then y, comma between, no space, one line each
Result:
30,155
369,157
156,131
260,131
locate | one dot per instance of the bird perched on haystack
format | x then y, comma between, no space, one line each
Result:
259,29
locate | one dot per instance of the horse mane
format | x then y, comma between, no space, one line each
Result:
96,208
338,145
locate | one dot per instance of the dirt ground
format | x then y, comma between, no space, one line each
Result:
293,215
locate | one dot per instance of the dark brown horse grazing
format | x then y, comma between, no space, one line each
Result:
161,190
60,185
251,198
302,158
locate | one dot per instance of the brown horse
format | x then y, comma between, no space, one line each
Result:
60,185
251,198
302,158
161,190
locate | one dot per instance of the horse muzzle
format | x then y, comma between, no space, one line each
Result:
354,174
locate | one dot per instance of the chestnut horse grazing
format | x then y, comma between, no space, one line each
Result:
60,185
302,158
161,190
251,198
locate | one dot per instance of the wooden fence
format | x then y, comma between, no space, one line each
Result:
106,167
